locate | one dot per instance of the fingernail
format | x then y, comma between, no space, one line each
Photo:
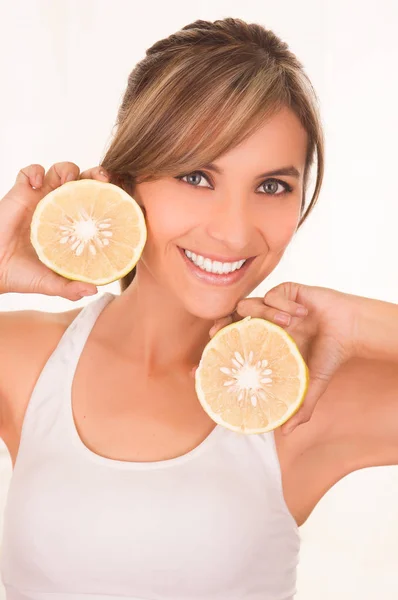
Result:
301,311
282,319
84,293
69,177
103,174
38,180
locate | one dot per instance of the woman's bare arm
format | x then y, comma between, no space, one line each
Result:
354,426
27,338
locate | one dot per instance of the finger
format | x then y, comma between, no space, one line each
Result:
287,289
52,284
219,324
22,198
255,307
31,176
98,173
275,299
59,174
192,372
317,387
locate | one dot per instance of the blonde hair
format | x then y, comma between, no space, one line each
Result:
202,91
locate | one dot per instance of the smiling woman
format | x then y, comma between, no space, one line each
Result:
133,490
205,90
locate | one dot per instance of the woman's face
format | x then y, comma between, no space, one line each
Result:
222,218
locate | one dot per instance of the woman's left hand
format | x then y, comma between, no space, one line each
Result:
325,336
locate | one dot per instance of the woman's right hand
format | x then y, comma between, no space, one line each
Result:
21,270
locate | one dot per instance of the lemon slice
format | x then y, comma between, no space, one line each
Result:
89,230
251,377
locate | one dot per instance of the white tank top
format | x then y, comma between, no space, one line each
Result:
209,525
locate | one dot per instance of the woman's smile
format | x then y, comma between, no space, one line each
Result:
215,272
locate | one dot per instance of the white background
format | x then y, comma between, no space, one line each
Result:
64,66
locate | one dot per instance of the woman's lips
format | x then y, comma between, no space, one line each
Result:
216,278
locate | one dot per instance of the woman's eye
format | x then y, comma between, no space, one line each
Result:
194,178
274,187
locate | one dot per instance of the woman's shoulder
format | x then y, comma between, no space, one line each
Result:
27,335
27,340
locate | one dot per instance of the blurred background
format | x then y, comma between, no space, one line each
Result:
63,68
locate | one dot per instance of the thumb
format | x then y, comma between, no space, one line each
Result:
325,358
52,284
220,324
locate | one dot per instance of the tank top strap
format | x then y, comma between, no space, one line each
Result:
50,396
75,337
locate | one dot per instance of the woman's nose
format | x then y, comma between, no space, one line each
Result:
232,224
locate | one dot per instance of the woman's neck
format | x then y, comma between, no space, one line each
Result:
155,329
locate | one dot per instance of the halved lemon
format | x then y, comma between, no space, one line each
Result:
251,377
89,230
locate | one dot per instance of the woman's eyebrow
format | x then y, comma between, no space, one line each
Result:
292,171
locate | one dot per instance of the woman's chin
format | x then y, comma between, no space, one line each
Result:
210,310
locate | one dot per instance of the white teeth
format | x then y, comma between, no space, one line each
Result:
225,268
213,266
207,265
217,266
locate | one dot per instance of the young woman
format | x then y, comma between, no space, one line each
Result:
122,486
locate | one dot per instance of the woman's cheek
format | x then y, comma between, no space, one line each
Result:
279,231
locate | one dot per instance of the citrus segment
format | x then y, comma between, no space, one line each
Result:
251,377
89,230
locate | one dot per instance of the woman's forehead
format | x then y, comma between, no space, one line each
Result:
279,142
